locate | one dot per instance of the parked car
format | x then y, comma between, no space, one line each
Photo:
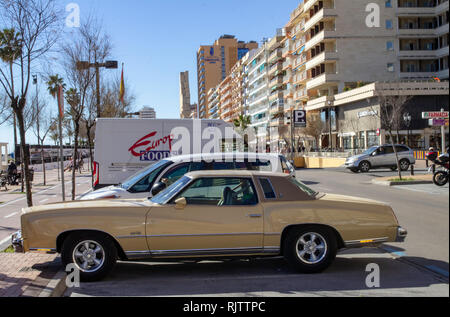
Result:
381,157
210,214
154,178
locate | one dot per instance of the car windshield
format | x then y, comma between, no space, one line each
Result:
303,187
129,182
370,150
169,192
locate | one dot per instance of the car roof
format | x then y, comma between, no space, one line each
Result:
223,155
234,173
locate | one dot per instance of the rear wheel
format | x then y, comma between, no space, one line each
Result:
404,165
93,254
310,249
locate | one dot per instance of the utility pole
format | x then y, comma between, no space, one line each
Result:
443,134
61,149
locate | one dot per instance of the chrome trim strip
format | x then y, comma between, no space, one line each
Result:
354,243
130,237
206,251
273,234
205,235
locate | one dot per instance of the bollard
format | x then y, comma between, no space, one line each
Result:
412,170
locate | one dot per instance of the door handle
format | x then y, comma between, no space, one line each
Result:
254,215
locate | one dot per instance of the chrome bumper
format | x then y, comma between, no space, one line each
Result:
17,242
401,234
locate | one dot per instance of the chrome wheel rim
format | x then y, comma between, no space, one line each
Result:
89,256
404,165
311,248
365,167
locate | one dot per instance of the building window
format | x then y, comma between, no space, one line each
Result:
389,24
390,46
390,67
388,4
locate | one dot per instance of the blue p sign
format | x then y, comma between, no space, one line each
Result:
300,118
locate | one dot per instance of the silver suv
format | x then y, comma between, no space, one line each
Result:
381,157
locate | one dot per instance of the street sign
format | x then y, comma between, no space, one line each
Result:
439,122
300,118
435,115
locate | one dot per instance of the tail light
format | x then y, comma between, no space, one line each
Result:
96,174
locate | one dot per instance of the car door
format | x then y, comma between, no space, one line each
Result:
377,158
222,216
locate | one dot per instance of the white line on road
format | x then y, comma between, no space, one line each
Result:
11,215
43,201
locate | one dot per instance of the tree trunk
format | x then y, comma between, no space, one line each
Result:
25,157
43,162
91,164
396,156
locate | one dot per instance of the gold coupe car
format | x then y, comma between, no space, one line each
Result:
219,214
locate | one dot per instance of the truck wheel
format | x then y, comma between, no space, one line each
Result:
93,254
310,249
364,167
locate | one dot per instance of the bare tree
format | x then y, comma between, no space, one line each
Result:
33,30
392,106
314,127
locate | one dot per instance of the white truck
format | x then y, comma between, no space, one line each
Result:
125,146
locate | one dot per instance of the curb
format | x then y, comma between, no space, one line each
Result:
389,183
56,287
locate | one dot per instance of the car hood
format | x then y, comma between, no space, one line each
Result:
104,192
357,157
351,199
89,204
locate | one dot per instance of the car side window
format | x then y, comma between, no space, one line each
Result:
401,149
176,173
220,192
146,183
388,150
266,185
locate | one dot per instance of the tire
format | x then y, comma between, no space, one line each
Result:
299,239
404,165
106,257
440,178
364,167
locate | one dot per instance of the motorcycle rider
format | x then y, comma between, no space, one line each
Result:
12,173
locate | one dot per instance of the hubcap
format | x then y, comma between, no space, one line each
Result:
311,248
404,165
88,256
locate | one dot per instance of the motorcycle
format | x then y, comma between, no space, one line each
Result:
440,178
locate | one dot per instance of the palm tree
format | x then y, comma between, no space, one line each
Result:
243,122
10,51
53,83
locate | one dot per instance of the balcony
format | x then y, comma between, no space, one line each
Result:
319,103
321,80
324,13
322,58
319,37
300,78
276,54
275,68
276,81
287,64
416,54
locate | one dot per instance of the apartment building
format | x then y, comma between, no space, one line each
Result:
147,113
214,103
214,63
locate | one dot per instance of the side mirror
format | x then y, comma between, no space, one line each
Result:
180,203
157,188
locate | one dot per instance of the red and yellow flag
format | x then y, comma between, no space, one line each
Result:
122,88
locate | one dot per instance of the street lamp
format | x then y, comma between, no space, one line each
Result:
329,118
407,118
81,65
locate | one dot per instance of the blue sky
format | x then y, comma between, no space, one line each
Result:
159,39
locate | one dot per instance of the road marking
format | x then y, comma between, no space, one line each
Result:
42,201
5,240
11,215
393,251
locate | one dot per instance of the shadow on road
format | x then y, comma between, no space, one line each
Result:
272,276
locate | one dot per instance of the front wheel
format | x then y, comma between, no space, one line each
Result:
310,249
404,165
440,178
93,254
364,167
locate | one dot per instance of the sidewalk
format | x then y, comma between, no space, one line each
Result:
29,274
26,275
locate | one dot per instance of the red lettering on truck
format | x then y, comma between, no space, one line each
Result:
146,140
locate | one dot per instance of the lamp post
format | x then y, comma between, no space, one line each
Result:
407,118
331,130
82,65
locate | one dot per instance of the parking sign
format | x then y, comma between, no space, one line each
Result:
300,118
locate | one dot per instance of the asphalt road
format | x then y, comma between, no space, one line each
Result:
418,267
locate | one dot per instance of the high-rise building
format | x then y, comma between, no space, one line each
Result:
214,63
185,96
147,113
